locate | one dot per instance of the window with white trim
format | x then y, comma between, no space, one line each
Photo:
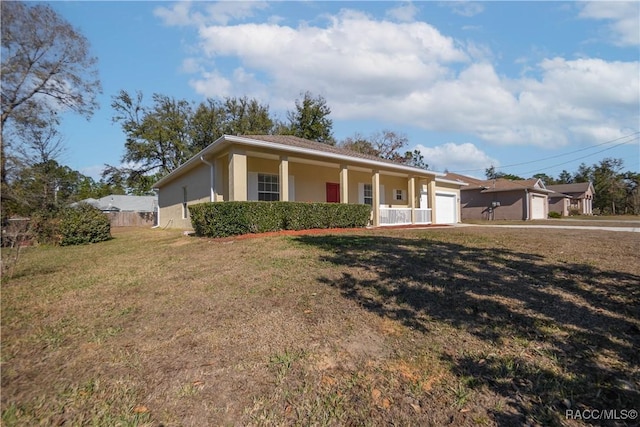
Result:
399,195
268,187
185,210
368,194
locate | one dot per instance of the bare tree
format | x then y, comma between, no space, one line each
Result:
46,69
39,143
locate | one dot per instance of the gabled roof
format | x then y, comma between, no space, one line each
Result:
471,181
500,184
578,187
294,146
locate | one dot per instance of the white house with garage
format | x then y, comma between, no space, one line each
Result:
287,168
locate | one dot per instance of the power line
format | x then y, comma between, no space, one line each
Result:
579,158
565,154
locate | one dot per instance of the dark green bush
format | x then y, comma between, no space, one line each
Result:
83,224
220,219
554,214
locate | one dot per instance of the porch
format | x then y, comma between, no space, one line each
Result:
404,216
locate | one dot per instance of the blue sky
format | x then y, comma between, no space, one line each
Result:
472,84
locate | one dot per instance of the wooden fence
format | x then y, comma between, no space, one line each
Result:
132,219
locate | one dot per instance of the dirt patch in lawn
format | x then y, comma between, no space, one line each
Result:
458,326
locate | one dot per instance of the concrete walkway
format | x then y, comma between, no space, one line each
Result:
565,227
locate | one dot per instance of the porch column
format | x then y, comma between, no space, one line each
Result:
237,176
218,191
431,189
284,179
344,184
412,198
375,190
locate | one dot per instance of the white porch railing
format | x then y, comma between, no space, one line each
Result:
402,216
423,216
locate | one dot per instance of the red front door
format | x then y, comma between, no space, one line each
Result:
333,192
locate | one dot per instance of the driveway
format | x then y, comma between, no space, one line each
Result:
566,227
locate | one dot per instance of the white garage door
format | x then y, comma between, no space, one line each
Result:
537,207
446,212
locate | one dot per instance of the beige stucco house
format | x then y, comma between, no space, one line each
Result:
568,198
287,168
503,199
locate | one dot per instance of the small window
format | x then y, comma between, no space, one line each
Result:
398,195
268,187
368,194
185,210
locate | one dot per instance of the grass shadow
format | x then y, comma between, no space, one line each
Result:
580,323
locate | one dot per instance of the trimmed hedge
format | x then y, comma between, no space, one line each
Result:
221,219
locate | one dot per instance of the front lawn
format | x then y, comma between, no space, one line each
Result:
459,326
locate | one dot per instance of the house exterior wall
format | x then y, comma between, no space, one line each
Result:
198,188
514,205
477,205
311,181
560,205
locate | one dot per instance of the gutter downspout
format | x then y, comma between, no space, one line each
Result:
157,212
526,202
211,168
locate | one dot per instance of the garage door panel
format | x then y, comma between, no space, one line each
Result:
537,207
446,212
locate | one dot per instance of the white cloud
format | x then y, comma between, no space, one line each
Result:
212,84
411,74
222,12
94,172
403,13
465,8
624,17
456,157
191,66
178,15
590,82
353,54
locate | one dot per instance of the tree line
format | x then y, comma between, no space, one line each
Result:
166,132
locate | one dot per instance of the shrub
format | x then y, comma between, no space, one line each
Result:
220,219
45,227
83,224
574,212
554,214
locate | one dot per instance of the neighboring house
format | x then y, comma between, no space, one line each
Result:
560,203
498,199
569,198
123,203
287,168
127,210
